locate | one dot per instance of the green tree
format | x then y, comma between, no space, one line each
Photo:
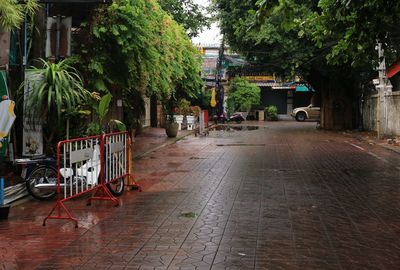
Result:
188,14
137,48
12,13
350,30
242,95
329,43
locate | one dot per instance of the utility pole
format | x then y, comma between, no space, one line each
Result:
218,79
383,88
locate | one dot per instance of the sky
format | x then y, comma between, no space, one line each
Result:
208,36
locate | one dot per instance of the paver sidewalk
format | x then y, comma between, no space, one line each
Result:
284,196
151,139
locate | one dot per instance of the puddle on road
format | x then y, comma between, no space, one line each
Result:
189,215
233,128
241,144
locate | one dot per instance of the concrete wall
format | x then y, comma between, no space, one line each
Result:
391,122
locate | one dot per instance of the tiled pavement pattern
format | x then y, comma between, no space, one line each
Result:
286,196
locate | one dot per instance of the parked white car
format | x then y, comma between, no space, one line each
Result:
303,113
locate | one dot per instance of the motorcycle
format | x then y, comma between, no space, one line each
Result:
41,176
220,119
236,117
40,170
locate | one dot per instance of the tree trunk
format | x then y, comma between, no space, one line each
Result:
336,101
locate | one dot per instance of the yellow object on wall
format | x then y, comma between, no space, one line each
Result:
213,101
7,118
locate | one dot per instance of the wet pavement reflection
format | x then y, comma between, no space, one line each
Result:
234,128
286,196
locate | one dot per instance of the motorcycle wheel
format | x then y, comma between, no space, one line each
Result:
116,187
41,175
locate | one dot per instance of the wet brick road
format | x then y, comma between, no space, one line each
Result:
285,196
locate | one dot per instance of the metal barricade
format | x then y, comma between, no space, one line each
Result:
79,166
93,164
116,157
118,166
131,182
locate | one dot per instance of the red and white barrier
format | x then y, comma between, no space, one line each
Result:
93,164
116,157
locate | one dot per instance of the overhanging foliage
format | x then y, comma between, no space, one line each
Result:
137,48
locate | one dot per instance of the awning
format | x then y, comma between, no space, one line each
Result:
283,87
304,88
393,69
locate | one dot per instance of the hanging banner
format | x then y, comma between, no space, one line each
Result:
32,141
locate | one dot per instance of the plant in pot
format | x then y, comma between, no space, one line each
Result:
171,126
4,209
185,110
101,110
196,110
272,113
57,88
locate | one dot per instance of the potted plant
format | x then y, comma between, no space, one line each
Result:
101,109
184,110
4,209
171,126
272,113
196,110
57,89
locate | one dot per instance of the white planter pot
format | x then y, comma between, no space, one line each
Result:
179,120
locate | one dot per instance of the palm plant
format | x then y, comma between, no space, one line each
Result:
12,13
56,88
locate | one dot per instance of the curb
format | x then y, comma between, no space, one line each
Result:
391,148
155,148
380,144
172,141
